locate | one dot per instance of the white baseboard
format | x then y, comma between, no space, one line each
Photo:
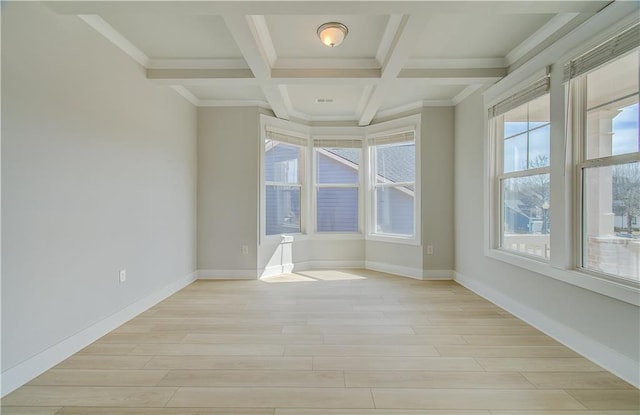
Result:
23,372
227,274
415,273
618,364
276,270
329,264
438,274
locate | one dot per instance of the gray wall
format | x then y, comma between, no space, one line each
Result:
98,174
437,187
601,319
228,163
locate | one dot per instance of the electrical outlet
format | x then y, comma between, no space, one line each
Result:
122,275
429,249
245,249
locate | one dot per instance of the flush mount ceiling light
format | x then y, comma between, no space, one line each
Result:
332,33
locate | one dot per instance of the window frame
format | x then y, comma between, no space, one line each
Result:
495,132
315,186
561,267
295,130
406,124
577,95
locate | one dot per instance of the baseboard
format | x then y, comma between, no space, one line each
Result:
275,270
415,273
22,373
618,364
330,264
438,274
227,274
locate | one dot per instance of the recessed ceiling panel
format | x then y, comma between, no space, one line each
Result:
458,36
295,36
410,91
325,100
178,36
227,93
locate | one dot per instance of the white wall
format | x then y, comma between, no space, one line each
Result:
98,175
604,329
228,163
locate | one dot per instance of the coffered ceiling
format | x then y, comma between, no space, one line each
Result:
398,55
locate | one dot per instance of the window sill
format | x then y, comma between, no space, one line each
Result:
628,292
394,239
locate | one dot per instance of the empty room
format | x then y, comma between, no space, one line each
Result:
310,207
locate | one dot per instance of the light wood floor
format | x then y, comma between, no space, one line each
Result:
325,342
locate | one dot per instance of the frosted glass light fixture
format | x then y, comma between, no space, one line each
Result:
332,33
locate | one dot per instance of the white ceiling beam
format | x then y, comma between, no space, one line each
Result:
188,95
453,73
197,64
326,63
404,41
556,23
267,7
462,95
387,37
421,63
246,36
326,73
176,76
106,30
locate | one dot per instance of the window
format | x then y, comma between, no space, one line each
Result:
393,182
604,90
283,180
337,179
521,135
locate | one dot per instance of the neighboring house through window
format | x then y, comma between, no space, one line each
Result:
393,183
337,184
284,156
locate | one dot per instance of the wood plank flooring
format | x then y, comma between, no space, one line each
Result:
348,342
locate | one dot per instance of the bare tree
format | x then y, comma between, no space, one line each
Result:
626,192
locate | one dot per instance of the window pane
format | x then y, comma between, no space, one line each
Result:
539,147
282,209
282,163
611,211
394,210
337,165
625,130
515,153
525,214
526,136
396,162
612,115
337,209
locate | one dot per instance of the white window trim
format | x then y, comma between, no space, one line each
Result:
359,234
581,164
561,267
498,176
276,124
387,128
